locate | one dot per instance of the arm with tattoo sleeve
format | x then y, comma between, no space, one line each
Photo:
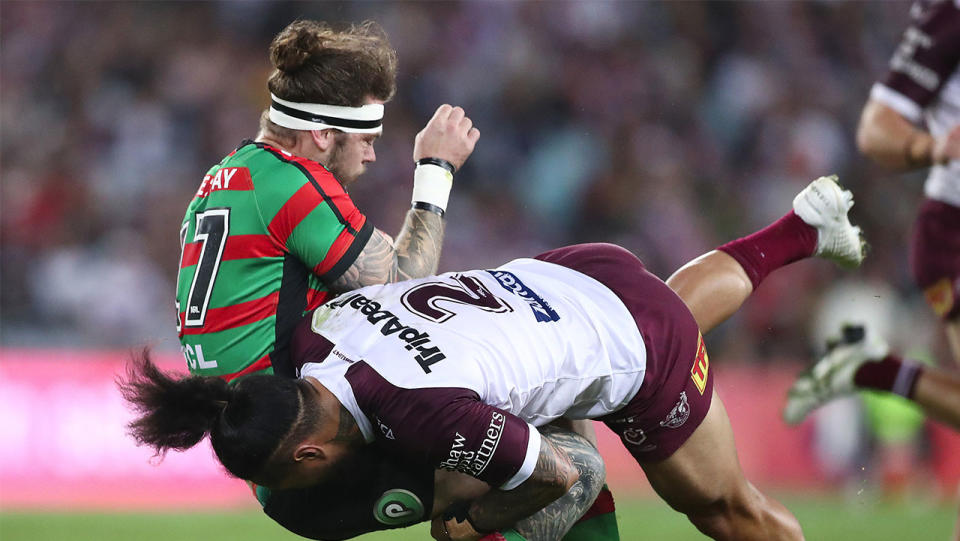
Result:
556,519
554,475
414,255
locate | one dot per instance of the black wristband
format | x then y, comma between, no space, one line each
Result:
422,205
439,162
460,512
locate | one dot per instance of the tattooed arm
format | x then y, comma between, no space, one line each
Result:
554,475
556,519
414,255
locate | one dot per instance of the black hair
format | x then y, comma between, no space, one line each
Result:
246,423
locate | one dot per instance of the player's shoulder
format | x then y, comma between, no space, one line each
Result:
267,162
936,14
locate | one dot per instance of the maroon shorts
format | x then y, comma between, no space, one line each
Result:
935,256
676,390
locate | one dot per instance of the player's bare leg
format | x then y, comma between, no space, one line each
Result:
953,338
713,286
859,364
938,392
716,284
703,480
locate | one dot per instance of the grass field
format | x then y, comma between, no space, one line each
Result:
823,520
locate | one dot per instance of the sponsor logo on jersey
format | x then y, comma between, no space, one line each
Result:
228,178
541,309
473,462
397,507
385,430
679,414
637,437
940,296
390,325
701,366
341,355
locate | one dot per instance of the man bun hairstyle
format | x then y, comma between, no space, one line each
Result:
246,423
175,413
318,64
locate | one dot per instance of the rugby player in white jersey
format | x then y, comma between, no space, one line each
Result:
911,121
456,372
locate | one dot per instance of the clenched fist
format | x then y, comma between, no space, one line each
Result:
449,135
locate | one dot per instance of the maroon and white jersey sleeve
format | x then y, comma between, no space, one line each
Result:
925,61
446,427
923,84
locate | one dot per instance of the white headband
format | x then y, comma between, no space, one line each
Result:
317,116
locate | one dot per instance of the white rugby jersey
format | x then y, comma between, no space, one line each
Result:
459,365
923,84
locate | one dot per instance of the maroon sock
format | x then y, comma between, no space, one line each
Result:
891,374
784,241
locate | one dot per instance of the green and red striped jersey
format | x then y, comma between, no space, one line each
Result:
263,236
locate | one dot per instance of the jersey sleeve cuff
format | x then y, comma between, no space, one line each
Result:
897,101
529,462
351,254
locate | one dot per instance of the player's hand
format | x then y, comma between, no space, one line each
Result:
451,530
947,147
449,135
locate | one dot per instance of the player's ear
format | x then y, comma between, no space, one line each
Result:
308,451
324,139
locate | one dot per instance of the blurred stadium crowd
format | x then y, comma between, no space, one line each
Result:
667,127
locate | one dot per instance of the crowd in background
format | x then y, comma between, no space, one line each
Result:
667,127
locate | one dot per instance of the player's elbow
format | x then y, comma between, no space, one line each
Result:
868,142
553,483
567,476
882,135
865,143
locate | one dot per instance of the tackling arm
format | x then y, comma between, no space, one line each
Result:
552,477
556,519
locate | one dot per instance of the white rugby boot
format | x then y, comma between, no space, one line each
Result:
832,375
823,204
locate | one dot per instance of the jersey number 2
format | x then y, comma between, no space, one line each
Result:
423,299
212,229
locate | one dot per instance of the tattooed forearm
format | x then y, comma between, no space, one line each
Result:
415,254
418,244
376,264
553,476
555,520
